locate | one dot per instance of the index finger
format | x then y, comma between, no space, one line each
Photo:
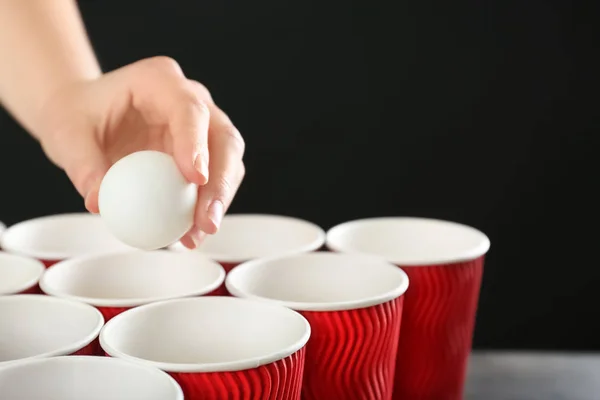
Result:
227,172
168,100
188,126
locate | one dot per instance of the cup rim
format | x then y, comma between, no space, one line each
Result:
335,241
177,391
229,366
67,349
37,268
232,279
229,258
15,247
129,302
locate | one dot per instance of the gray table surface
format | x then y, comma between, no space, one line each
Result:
533,376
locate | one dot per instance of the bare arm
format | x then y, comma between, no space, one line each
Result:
43,47
85,120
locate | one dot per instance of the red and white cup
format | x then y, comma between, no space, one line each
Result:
119,281
444,261
354,307
19,275
245,237
78,378
58,237
216,348
38,326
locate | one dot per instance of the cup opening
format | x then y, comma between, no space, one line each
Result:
244,237
43,326
106,378
408,241
62,236
18,273
319,281
133,278
205,334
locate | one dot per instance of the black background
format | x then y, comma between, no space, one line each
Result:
481,112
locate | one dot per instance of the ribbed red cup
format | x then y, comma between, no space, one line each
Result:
216,348
84,378
37,326
19,275
245,237
59,237
444,261
119,281
354,306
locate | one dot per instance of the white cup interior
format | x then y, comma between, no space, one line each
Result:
132,278
244,237
84,377
409,241
18,273
62,236
319,281
35,326
205,334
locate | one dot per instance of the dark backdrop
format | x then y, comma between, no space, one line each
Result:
482,112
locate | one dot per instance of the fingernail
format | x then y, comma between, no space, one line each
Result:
198,238
188,243
196,235
201,164
215,213
90,204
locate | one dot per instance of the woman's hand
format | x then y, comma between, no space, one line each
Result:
147,105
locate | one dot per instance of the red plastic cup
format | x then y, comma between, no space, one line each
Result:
19,275
354,307
89,378
245,237
58,237
216,348
117,282
37,326
444,261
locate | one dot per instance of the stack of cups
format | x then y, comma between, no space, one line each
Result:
59,237
37,326
216,348
246,237
117,282
444,261
89,378
387,314
19,275
354,307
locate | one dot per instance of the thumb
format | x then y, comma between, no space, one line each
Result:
86,169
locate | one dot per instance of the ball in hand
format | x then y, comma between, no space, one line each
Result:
145,200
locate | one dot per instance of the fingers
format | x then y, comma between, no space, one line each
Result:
193,238
197,128
189,128
226,172
163,93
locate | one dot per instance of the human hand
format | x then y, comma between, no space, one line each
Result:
147,105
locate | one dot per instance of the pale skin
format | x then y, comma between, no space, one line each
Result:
85,119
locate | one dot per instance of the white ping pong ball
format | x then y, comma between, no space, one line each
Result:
146,202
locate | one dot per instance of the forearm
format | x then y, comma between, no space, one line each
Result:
43,47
